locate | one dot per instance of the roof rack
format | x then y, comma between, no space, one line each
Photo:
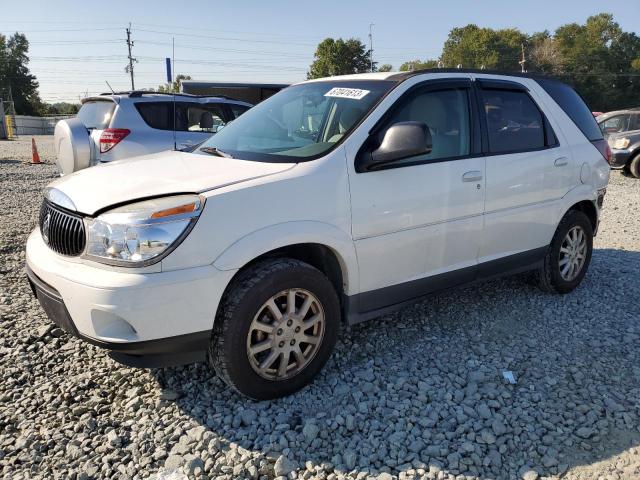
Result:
140,93
403,75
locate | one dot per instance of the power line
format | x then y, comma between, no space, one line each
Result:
282,42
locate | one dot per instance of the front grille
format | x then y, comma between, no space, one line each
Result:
63,231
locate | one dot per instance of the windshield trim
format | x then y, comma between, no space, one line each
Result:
392,84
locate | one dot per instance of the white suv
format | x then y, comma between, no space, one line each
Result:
334,201
124,125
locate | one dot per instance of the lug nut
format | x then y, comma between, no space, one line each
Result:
289,323
297,329
293,342
279,332
281,344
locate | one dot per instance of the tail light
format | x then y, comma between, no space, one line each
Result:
604,149
111,137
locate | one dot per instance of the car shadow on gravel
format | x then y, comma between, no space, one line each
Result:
423,389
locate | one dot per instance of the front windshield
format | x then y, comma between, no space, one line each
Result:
299,123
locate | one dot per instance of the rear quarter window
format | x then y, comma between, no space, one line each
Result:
96,114
573,105
157,115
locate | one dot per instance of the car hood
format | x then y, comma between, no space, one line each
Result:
165,173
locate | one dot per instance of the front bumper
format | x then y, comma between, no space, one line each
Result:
144,319
151,353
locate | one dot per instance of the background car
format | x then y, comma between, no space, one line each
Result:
121,125
622,130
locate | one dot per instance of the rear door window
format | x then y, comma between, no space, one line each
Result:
96,114
514,122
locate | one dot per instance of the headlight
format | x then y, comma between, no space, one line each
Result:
621,143
141,233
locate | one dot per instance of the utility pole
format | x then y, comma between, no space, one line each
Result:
371,46
523,61
129,68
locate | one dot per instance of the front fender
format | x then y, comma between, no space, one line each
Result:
285,234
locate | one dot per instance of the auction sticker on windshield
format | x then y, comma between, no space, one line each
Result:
354,93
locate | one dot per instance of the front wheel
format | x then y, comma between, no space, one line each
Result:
276,328
569,254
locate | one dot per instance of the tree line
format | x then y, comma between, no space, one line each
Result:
598,58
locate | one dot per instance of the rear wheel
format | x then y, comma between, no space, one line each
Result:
276,328
634,166
569,254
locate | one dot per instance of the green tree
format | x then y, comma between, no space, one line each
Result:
385,68
339,57
475,47
598,59
173,86
418,65
15,76
63,108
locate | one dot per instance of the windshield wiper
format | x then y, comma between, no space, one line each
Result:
216,151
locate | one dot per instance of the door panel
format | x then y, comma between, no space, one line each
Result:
527,171
423,215
422,218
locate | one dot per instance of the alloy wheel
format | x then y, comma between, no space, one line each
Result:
285,334
573,253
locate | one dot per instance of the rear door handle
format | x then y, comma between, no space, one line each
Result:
561,162
472,176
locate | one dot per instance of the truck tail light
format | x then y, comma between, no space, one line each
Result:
110,137
604,149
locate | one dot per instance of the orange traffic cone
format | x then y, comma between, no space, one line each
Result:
35,158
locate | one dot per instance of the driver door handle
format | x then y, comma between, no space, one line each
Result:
472,176
561,162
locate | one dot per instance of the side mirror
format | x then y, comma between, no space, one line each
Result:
402,140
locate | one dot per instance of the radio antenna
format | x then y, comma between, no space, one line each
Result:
112,90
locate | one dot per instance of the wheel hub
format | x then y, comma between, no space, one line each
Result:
285,334
573,253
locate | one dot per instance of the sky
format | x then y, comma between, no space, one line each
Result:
76,46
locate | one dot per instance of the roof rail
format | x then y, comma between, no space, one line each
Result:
140,93
402,75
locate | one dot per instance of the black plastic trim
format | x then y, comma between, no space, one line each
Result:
496,84
374,303
406,75
51,302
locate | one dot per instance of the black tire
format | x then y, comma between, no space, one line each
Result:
634,166
549,276
244,298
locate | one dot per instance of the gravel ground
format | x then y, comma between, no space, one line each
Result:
417,394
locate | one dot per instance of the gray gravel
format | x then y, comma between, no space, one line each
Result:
417,394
